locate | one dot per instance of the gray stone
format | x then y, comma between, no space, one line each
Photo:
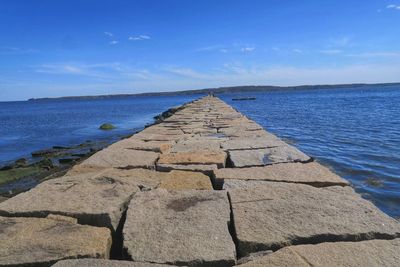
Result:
97,199
180,227
206,169
252,143
41,242
106,263
371,253
311,173
281,214
123,158
267,156
194,158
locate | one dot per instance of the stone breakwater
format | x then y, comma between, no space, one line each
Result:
204,187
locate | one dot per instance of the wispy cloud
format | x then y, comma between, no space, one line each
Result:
298,51
139,38
377,54
248,49
331,51
109,34
8,50
393,6
113,42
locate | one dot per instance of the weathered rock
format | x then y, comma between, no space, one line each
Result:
206,169
184,180
123,158
311,173
180,227
137,144
41,242
105,263
267,156
280,214
352,254
106,126
2,199
252,143
194,145
192,158
97,199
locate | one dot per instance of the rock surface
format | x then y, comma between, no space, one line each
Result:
123,158
93,198
105,263
252,143
280,214
261,157
41,242
186,180
180,227
311,173
192,158
371,253
206,169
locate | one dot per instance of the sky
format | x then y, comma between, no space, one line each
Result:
90,47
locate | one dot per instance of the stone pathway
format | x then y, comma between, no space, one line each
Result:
205,187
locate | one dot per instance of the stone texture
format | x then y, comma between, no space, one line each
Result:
311,173
41,242
94,199
180,227
2,199
137,144
184,180
105,263
280,214
192,158
194,145
252,143
206,169
123,158
371,253
267,156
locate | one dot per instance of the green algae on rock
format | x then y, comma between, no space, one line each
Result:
107,126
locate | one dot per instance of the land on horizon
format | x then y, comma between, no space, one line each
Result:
228,89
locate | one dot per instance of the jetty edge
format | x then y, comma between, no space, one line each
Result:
205,186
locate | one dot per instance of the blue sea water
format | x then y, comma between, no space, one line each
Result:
353,131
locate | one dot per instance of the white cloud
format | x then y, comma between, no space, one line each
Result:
114,42
109,34
248,49
377,54
331,51
298,51
139,38
392,6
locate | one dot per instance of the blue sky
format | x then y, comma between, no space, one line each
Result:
57,48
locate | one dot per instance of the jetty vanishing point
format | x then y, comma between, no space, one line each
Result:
205,187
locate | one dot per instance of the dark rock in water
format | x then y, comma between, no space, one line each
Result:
374,182
61,147
166,114
44,152
22,162
6,168
243,98
107,126
45,164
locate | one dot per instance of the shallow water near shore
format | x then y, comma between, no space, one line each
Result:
355,132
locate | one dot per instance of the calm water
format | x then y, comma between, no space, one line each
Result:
356,132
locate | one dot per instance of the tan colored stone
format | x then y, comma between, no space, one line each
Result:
281,214
191,158
371,253
123,158
185,180
185,227
62,218
252,143
137,144
206,169
93,198
311,173
106,263
41,242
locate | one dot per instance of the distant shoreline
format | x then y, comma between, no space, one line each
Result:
221,90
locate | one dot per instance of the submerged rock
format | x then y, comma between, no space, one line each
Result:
107,126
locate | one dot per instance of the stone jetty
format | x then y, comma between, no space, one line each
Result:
205,186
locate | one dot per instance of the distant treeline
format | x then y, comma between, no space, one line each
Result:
234,89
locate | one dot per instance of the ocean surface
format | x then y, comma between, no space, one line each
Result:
353,131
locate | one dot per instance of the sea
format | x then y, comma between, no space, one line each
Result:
353,131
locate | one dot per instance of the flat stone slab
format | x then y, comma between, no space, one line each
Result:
311,173
280,214
193,145
137,144
42,242
180,227
105,263
185,180
252,143
93,198
267,156
352,254
192,158
123,158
